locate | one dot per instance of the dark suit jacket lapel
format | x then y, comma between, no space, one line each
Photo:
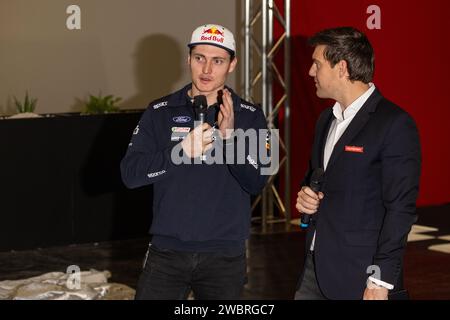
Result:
355,126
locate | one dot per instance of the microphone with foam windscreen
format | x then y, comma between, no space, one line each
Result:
200,107
315,185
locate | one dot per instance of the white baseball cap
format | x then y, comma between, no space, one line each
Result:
215,35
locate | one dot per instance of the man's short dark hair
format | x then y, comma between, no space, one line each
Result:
351,45
232,55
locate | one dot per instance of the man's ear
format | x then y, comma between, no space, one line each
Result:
232,65
343,69
188,59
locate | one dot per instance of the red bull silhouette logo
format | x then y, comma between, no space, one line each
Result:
212,34
213,31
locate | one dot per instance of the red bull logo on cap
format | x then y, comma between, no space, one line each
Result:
212,34
213,31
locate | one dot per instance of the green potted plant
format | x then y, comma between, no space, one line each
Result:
26,108
102,105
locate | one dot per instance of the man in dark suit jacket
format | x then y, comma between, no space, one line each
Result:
370,151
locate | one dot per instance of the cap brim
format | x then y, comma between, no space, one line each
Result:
190,45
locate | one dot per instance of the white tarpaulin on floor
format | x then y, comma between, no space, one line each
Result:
86,285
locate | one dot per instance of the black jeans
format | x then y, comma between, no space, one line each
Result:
171,275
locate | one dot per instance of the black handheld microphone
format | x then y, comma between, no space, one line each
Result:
200,107
220,97
315,185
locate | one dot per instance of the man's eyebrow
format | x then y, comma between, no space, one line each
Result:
201,55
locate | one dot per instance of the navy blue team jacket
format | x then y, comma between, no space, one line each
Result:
196,207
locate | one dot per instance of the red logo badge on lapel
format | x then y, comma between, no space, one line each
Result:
354,149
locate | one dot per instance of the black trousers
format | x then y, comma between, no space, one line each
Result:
308,288
171,275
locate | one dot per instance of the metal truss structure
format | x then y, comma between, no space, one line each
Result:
261,75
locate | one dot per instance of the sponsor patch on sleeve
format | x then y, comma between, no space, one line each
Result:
246,106
156,174
252,162
160,105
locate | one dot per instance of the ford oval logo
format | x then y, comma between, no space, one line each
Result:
182,119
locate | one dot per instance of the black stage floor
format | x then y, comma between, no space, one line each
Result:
274,259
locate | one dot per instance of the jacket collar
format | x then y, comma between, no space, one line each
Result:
352,130
181,98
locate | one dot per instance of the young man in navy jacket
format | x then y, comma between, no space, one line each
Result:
201,203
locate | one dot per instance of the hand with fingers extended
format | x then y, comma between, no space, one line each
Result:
308,201
226,115
198,141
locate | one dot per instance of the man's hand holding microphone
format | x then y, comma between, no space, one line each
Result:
198,141
201,139
309,197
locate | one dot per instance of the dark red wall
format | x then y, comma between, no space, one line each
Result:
412,70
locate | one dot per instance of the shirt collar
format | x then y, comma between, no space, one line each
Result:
354,107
